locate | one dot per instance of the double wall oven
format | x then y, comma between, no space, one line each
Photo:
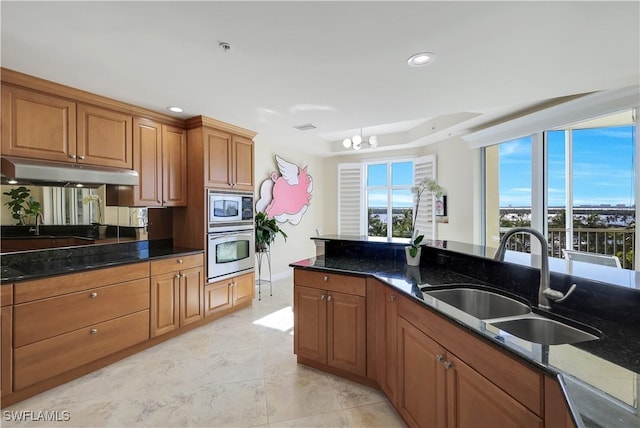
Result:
230,243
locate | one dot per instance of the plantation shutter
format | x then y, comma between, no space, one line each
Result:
426,222
350,204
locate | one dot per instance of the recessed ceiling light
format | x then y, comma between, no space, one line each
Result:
79,185
175,109
12,181
421,59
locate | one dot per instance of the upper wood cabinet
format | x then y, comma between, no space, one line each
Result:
42,126
160,158
104,137
229,161
36,125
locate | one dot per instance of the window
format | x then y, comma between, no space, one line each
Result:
587,178
375,198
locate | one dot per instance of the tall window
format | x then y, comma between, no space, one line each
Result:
587,176
389,199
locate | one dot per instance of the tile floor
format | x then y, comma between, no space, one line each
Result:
238,371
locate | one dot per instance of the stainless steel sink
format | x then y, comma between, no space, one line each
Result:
479,303
543,331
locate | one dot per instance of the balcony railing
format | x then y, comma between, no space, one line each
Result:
608,241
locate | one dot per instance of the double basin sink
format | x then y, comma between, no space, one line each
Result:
510,316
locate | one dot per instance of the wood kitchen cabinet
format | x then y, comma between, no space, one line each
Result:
227,294
6,339
177,293
330,320
160,158
387,343
37,125
229,161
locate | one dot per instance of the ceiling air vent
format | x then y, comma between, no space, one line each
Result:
305,127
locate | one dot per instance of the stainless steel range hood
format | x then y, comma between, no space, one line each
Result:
49,173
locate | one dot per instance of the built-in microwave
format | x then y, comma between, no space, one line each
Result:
229,209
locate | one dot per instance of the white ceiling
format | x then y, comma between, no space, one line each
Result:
339,65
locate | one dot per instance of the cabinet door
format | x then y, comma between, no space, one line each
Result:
347,332
6,360
310,332
35,125
165,303
105,137
474,401
421,378
191,295
147,161
218,154
174,169
386,340
243,289
218,297
242,163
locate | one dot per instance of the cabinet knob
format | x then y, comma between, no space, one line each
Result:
329,297
393,298
448,365
81,157
180,261
325,278
158,201
177,275
322,297
94,331
93,295
439,358
72,156
164,202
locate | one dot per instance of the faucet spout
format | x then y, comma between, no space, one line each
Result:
545,292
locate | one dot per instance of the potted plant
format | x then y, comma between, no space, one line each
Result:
266,231
22,204
413,251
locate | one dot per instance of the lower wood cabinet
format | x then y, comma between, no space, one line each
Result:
6,339
229,293
386,321
330,326
177,296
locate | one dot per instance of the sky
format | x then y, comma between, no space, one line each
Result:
603,165
399,174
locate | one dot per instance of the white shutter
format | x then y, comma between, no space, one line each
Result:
426,222
350,199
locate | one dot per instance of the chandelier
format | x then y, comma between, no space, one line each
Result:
357,141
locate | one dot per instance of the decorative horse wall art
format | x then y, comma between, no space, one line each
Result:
286,197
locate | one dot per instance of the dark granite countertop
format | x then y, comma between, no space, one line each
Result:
599,377
26,265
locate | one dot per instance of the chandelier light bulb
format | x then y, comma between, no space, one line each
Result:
346,143
373,141
357,146
356,140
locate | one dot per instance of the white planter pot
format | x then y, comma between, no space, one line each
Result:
413,261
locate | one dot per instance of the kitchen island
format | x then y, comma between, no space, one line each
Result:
598,378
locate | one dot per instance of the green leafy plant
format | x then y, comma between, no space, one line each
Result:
266,231
414,245
22,204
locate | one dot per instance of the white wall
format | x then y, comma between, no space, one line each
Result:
457,172
298,245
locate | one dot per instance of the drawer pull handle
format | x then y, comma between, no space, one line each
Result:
326,278
329,297
180,261
393,298
93,295
448,365
94,331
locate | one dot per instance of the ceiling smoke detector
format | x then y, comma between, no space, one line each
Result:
224,46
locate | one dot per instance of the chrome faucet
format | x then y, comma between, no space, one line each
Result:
545,292
36,229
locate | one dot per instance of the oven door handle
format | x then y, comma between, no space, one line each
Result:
225,234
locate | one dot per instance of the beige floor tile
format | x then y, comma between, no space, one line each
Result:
379,415
351,394
325,420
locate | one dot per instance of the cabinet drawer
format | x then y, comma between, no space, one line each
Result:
47,358
331,281
63,284
174,264
46,318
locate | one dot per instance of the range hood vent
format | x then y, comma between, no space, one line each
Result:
59,174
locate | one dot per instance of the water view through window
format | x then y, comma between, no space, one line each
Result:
590,179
